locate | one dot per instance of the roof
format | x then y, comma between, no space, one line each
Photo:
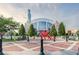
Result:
42,19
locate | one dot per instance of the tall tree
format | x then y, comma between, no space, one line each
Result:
22,31
7,24
61,29
53,31
31,31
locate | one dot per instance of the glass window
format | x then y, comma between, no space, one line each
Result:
49,25
42,26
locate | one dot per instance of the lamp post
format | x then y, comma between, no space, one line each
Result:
41,48
27,38
78,52
67,37
41,45
1,52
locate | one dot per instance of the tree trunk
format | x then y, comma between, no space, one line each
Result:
54,38
11,37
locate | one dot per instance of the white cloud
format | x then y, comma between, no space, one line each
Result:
50,10
9,10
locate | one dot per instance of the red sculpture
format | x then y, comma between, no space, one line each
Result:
45,34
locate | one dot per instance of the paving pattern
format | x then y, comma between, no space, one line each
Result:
33,47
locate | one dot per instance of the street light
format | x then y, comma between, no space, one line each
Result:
42,49
1,52
43,36
78,52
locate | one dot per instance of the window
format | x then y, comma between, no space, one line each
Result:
42,26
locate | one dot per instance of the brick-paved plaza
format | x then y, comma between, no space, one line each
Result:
60,47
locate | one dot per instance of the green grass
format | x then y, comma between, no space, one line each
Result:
8,40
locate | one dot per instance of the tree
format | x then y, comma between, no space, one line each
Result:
61,29
7,24
22,31
53,31
31,31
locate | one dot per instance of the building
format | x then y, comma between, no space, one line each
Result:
39,23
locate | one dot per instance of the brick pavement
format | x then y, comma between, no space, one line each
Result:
33,46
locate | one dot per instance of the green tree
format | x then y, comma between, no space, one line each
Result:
32,31
7,24
22,31
11,33
61,29
53,31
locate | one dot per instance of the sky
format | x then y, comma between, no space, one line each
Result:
66,13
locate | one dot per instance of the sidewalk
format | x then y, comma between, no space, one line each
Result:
33,48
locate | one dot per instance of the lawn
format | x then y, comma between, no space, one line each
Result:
8,40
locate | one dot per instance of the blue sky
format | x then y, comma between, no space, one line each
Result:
67,13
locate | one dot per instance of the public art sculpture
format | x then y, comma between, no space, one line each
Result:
44,35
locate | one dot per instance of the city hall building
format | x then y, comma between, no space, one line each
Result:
39,23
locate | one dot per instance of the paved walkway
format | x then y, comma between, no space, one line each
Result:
60,47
